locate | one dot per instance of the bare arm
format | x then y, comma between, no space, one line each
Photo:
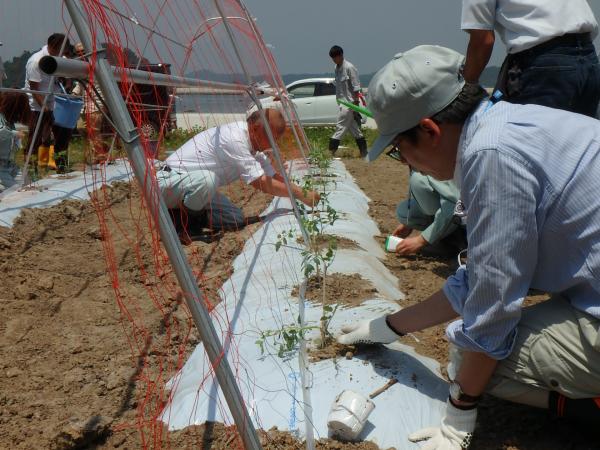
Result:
475,372
39,98
275,186
428,313
479,51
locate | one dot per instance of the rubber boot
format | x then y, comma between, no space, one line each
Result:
333,145
61,163
51,161
362,146
43,154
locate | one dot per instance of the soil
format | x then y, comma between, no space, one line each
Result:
341,289
76,365
341,242
75,371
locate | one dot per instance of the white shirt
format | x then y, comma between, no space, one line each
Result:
523,24
224,150
34,73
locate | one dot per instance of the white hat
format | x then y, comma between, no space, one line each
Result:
415,84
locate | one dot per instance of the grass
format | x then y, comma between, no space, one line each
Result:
317,136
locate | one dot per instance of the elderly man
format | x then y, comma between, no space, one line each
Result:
529,178
217,157
551,58
347,88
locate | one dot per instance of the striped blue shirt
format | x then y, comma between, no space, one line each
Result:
530,182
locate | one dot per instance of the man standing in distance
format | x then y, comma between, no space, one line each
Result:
347,88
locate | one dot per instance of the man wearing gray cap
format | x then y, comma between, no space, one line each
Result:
529,178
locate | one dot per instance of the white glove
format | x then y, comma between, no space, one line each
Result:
373,331
454,434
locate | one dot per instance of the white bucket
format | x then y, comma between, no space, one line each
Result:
348,415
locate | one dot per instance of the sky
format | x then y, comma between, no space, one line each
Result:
300,32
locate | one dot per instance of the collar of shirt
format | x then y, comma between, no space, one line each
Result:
466,135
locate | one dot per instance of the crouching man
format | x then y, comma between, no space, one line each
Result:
529,178
190,177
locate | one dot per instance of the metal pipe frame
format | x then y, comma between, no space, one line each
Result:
192,293
305,375
72,68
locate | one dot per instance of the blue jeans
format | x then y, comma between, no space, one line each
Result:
197,191
557,74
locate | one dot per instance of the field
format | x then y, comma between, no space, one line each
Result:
70,379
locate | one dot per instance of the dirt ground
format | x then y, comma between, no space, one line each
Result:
71,372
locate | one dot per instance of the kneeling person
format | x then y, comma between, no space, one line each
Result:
190,177
429,209
529,179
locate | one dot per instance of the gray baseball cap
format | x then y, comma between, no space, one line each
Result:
415,84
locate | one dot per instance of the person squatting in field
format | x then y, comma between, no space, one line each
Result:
190,177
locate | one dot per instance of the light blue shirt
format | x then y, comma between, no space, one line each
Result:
530,182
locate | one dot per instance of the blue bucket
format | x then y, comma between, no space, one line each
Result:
67,111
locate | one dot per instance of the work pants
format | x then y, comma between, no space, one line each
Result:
563,73
197,190
346,121
48,133
557,348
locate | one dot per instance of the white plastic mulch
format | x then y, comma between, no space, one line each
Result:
52,190
257,298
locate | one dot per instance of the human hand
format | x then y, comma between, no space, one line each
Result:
402,231
411,245
311,198
455,432
375,331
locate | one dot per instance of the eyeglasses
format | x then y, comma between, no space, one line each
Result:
394,153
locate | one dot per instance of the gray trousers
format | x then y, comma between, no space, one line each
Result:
197,190
557,349
345,123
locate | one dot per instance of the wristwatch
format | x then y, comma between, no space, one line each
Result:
457,394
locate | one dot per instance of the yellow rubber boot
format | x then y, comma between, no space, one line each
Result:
43,154
51,162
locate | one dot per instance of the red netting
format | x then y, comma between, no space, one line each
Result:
194,41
